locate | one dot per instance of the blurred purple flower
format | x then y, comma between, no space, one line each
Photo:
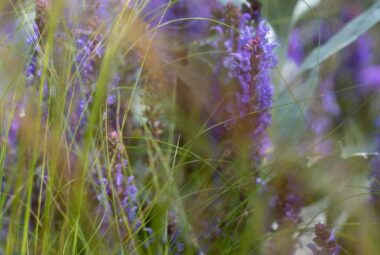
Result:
89,50
32,69
358,58
369,79
176,246
362,55
324,242
287,197
322,32
321,115
296,48
249,62
13,131
121,188
189,29
253,8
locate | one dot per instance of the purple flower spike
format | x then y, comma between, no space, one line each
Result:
324,241
249,63
295,49
369,79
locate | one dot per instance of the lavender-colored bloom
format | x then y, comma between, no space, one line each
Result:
249,62
362,54
129,202
358,58
115,185
13,131
287,197
253,8
190,29
321,115
176,246
369,79
32,70
122,188
112,97
296,48
324,241
90,49
322,32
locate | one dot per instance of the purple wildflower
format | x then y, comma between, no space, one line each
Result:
249,62
321,114
357,60
322,31
33,70
119,187
287,197
189,29
369,78
35,40
324,241
176,246
296,48
253,8
89,51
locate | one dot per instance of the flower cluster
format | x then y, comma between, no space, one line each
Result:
249,62
115,185
324,241
287,198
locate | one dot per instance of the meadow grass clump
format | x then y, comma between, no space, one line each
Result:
189,127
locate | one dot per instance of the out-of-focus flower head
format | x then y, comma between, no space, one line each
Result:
188,29
324,241
296,48
369,78
287,196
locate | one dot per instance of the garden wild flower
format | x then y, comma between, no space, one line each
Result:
176,246
295,48
35,39
249,62
287,198
117,186
189,30
89,52
324,241
253,8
